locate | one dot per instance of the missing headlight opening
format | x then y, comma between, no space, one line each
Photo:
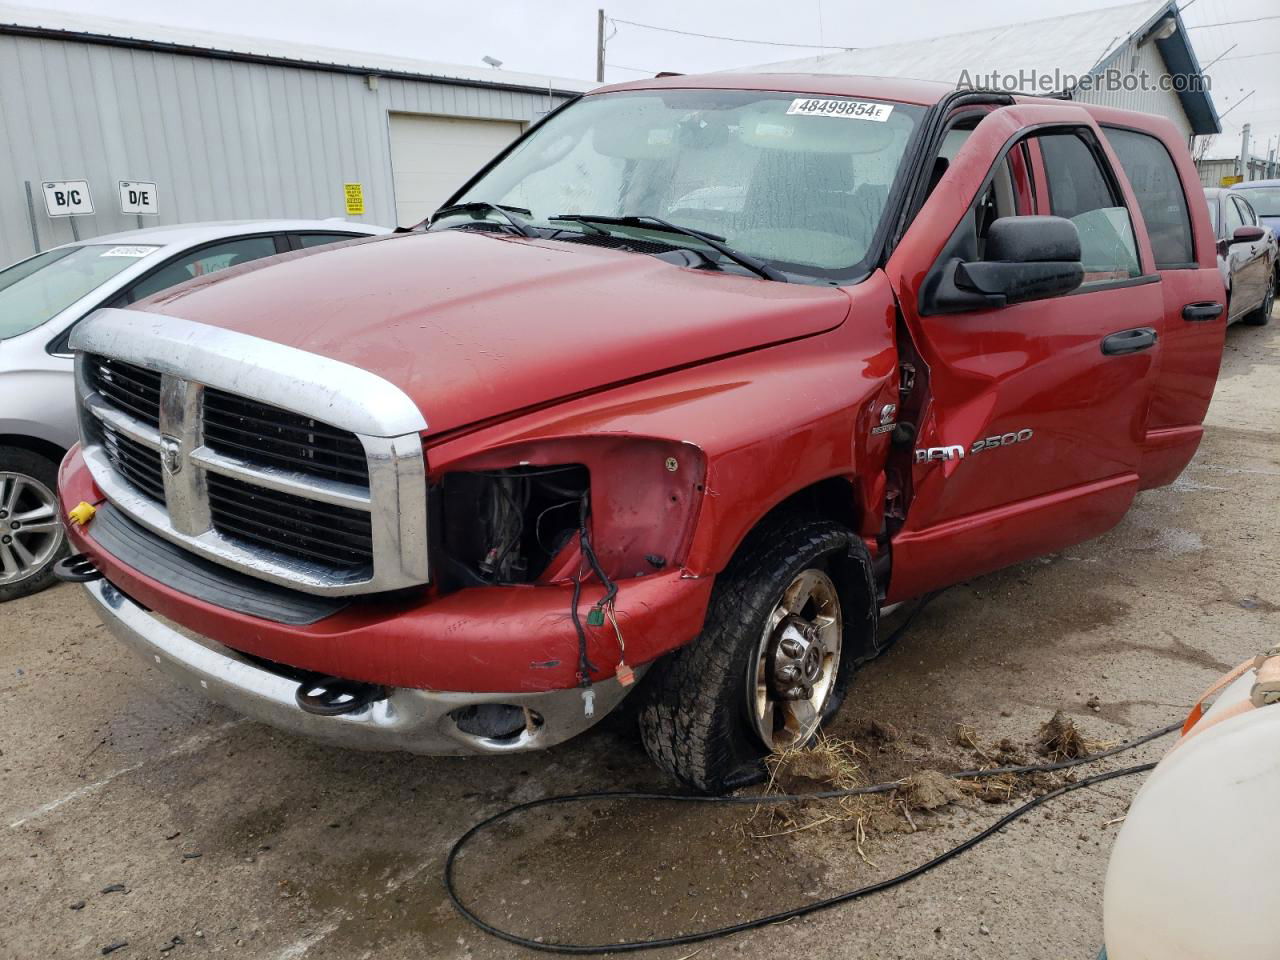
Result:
506,526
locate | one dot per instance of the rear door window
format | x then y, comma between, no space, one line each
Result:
1158,188
204,261
1081,190
321,239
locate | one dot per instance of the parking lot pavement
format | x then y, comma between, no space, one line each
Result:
239,840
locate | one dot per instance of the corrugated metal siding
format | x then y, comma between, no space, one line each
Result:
223,140
1132,59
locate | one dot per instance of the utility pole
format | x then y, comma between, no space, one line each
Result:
1244,154
599,46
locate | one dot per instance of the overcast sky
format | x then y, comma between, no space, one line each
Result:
559,36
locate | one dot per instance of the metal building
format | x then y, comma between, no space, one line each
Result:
1137,57
144,124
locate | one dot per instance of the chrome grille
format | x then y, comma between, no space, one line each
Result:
291,525
131,389
287,466
273,437
136,462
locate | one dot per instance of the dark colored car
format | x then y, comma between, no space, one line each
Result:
1264,197
1246,257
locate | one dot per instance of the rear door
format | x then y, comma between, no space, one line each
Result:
1183,245
1030,436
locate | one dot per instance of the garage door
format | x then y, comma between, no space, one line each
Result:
432,156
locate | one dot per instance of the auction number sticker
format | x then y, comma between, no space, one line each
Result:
127,252
852,109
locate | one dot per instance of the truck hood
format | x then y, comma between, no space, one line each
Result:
474,326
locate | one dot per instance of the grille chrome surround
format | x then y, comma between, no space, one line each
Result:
312,397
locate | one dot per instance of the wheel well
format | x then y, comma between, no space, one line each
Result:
831,499
33,444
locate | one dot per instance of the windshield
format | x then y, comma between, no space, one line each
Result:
1265,200
38,289
798,182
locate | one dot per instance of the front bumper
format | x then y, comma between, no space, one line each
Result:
416,721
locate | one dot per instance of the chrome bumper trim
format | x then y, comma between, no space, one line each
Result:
415,721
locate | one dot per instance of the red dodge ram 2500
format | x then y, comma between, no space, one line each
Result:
671,398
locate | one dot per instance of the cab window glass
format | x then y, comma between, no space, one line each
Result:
1080,191
1150,171
202,262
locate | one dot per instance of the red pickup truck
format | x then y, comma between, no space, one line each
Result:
669,400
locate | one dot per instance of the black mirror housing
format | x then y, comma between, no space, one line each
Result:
1008,282
1026,258
1032,240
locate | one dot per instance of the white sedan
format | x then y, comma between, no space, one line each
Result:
41,299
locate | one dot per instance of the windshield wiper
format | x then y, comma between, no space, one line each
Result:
714,241
508,213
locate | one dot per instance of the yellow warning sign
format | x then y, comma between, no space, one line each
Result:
1230,181
354,192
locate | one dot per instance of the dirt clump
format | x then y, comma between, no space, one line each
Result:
829,764
1059,739
929,789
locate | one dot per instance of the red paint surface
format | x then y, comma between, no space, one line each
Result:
543,352
500,639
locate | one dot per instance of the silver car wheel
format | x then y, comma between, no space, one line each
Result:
30,530
796,661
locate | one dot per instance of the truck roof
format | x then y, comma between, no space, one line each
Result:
923,92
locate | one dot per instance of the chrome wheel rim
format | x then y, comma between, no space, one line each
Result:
30,531
794,668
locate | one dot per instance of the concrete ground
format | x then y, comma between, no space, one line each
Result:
241,841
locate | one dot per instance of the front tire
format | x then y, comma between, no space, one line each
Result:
31,535
789,618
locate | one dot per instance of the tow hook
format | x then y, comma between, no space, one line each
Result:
77,568
334,696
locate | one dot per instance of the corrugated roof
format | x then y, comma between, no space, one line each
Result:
94,28
1056,49
1071,44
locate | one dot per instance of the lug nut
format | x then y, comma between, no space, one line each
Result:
6,539
788,673
791,647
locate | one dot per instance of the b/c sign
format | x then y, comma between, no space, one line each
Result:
139,196
67,198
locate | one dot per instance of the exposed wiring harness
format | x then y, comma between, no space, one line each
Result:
628,946
602,610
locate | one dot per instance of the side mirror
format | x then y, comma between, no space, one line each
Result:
1026,258
1246,235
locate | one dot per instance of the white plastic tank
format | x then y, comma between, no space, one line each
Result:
1195,871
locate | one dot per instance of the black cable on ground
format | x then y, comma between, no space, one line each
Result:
627,946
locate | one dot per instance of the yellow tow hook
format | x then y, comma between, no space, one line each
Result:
81,513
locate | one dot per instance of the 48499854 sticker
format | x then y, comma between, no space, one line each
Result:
849,109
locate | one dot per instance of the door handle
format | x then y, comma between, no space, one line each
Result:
1129,341
1200,312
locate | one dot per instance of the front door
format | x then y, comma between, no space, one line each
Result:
1033,416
